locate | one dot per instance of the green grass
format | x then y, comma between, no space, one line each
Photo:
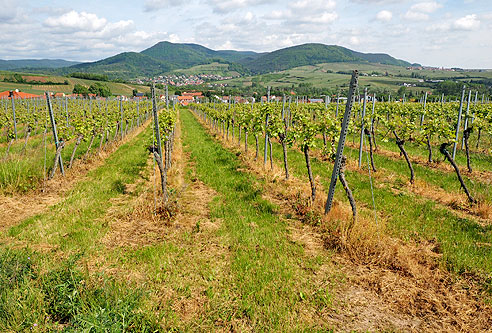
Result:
65,297
73,223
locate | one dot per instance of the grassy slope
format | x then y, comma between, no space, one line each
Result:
318,76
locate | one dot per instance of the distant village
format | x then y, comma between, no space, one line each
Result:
184,80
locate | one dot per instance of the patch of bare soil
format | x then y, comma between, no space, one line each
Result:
389,284
16,207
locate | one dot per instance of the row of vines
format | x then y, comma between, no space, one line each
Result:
434,126
33,144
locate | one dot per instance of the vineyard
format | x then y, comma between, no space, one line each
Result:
356,214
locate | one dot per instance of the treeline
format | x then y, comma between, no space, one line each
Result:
451,88
90,76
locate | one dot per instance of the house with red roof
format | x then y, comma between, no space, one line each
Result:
17,95
185,100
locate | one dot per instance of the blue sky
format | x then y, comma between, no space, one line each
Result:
441,33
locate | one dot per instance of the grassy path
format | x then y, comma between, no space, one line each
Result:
270,285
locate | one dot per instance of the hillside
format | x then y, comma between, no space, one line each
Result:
39,89
313,54
35,63
189,55
124,65
384,59
166,56
181,55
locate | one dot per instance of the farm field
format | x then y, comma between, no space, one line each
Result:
179,219
326,76
116,88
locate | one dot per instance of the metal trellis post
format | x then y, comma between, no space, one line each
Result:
341,141
361,144
459,122
55,133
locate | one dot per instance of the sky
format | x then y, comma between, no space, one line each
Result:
448,33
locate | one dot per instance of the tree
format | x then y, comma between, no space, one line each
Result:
449,88
100,89
80,89
134,92
402,91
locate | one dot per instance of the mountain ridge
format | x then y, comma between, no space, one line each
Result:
35,63
164,57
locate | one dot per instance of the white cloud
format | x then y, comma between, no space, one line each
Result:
468,22
416,16
76,21
327,5
305,15
384,15
443,26
354,40
426,7
420,11
224,6
152,5
378,2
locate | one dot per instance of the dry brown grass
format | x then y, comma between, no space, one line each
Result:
391,284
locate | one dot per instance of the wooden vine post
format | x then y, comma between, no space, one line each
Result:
266,139
158,153
466,118
121,121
